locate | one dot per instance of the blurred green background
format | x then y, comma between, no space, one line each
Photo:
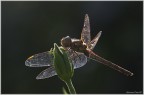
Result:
32,27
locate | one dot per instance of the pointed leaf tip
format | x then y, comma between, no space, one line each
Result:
55,45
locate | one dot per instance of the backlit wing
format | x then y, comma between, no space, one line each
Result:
85,35
47,73
93,43
78,59
40,60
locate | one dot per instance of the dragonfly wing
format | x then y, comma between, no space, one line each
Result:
93,43
78,59
40,60
85,35
47,73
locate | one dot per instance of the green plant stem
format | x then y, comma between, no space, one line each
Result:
70,87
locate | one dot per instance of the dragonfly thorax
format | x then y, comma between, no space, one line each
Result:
74,44
78,45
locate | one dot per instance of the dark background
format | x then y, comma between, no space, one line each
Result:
32,27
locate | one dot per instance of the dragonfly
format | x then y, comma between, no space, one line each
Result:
78,50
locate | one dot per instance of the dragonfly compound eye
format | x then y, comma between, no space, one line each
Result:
66,41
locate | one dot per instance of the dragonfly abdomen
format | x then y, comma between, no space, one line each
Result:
109,63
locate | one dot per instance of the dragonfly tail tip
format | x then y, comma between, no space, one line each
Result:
131,74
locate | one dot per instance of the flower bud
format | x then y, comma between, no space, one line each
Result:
62,64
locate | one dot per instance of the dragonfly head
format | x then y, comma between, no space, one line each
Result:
66,41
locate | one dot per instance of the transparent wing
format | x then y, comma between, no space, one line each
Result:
78,59
47,73
40,60
85,35
93,43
